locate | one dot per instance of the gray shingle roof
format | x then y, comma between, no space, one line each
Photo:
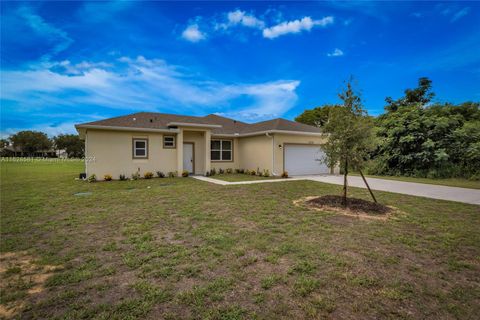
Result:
153,120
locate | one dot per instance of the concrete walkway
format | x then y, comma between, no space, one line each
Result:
471,196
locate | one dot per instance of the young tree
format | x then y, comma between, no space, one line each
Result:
350,136
71,143
31,141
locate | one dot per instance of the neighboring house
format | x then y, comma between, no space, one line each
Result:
153,142
11,151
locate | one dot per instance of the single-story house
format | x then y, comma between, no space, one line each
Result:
150,142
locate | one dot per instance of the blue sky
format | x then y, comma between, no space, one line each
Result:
69,62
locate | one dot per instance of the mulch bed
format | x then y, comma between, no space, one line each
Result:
353,205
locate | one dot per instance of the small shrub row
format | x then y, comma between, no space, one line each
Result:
257,172
136,176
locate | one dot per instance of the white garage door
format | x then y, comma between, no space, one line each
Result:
304,159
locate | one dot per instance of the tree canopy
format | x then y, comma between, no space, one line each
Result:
71,143
415,136
31,141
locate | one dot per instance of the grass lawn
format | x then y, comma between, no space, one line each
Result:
179,248
451,182
234,177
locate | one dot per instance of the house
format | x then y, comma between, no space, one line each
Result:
145,141
12,151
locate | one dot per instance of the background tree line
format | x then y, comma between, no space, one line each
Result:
30,143
418,137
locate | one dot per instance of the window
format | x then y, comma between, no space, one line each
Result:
140,148
169,142
221,150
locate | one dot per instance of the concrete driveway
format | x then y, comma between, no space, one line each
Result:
464,195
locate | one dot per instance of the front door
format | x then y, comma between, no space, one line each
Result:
188,157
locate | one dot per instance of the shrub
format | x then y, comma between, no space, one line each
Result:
237,170
221,171
148,175
258,173
107,177
135,176
241,170
123,177
253,172
474,177
266,173
92,178
160,174
213,172
207,174
229,170
185,173
247,172
284,174
171,174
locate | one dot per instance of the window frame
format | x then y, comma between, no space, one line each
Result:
174,142
221,150
134,148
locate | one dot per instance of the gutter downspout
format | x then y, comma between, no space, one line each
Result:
273,152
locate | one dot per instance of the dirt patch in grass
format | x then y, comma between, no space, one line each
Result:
355,207
21,276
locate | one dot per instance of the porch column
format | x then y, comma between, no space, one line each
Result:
208,137
180,153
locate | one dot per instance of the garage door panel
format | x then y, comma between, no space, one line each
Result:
304,159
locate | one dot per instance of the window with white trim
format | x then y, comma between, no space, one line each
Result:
169,142
221,150
140,148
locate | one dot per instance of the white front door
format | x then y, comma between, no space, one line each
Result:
304,159
188,157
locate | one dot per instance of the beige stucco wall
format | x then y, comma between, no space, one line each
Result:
111,153
255,153
227,164
282,139
198,138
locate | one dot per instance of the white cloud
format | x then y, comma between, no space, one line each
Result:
144,85
241,17
193,34
459,14
295,26
46,30
336,53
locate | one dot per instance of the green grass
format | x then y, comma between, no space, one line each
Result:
179,248
234,177
451,182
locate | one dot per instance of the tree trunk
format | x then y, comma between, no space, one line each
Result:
366,183
345,183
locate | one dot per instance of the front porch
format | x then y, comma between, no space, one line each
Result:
193,151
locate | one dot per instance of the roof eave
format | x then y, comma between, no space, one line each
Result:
118,128
258,133
197,125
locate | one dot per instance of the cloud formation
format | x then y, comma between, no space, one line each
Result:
140,84
336,53
39,28
193,34
295,26
459,14
239,17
